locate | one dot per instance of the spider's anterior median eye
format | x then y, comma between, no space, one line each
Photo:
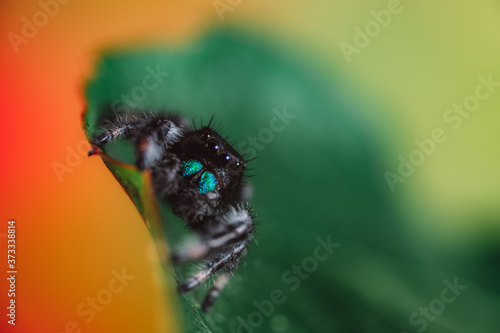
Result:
207,182
190,167
212,147
224,159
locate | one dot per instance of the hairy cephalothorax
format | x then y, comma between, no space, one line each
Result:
201,175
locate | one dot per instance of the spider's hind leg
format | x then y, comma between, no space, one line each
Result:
224,241
212,295
226,261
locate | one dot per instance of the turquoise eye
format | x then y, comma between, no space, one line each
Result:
207,182
190,167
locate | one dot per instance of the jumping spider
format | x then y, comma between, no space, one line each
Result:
201,175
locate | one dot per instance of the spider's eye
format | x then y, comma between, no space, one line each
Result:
224,159
212,147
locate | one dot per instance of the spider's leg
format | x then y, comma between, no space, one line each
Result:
212,295
228,259
111,134
232,233
227,229
157,136
153,134
223,279
194,252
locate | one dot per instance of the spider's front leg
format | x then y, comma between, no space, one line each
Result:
152,135
224,241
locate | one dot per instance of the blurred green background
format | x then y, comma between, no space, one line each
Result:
324,172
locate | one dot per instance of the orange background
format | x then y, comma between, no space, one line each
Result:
72,233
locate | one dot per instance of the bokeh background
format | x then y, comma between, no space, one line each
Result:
324,174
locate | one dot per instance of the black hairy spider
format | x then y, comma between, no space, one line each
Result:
201,175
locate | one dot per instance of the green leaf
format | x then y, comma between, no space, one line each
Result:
319,179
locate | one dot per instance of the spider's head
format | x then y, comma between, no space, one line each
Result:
210,162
